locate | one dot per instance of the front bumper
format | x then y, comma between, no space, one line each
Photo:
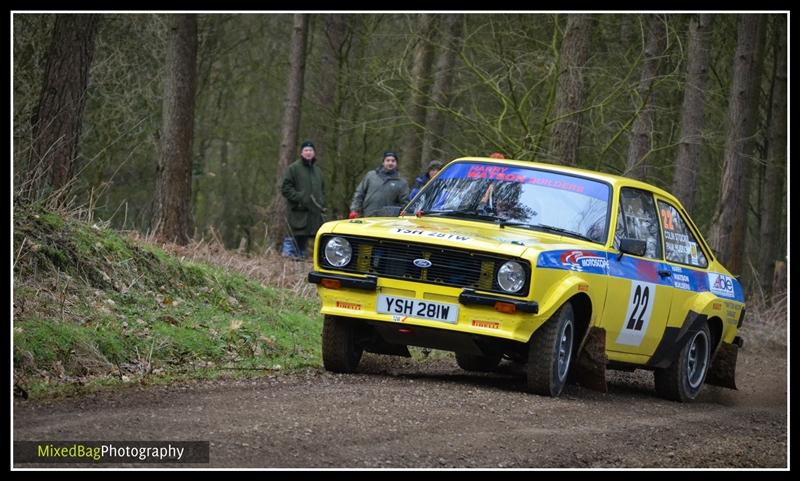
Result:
356,298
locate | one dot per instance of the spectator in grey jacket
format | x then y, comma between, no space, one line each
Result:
380,188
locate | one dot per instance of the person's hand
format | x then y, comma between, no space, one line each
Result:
353,214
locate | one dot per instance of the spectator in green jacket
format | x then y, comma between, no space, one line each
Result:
380,188
303,188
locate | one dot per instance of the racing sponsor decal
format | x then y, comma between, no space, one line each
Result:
577,260
721,285
522,175
425,233
640,309
732,312
592,262
348,305
681,279
486,324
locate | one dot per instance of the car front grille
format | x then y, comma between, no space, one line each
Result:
449,266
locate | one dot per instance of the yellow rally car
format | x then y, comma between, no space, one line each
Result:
566,270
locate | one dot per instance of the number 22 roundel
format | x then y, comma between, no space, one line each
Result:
640,308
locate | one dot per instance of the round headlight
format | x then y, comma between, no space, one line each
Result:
511,276
338,252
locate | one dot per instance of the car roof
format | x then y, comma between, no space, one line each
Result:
616,181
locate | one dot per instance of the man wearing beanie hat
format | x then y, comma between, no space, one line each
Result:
433,168
304,191
380,188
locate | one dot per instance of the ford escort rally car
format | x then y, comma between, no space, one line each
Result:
568,272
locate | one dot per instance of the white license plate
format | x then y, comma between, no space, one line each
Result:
403,306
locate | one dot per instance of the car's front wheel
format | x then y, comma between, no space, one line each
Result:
682,380
550,353
340,349
470,362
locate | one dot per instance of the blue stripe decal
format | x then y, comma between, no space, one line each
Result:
599,262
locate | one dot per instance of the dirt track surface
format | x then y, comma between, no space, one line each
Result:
398,413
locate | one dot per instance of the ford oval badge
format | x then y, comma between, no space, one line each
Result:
422,263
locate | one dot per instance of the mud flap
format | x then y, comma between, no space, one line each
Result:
723,367
590,369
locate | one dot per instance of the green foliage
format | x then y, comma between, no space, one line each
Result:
91,305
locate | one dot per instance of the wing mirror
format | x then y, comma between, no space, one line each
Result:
636,247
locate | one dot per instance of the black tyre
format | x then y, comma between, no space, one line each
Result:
550,353
684,378
340,350
470,362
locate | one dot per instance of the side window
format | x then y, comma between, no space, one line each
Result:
637,219
679,242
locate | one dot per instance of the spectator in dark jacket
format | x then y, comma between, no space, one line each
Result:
380,188
304,190
433,168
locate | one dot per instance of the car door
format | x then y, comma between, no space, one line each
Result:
639,289
686,259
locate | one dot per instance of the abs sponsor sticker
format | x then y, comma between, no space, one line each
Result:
721,285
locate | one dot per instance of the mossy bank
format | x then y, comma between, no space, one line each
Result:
93,307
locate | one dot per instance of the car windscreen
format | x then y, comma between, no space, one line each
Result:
518,196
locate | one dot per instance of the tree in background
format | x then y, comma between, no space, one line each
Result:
641,138
420,83
693,110
337,40
728,229
172,213
442,85
571,89
57,122
773,168
291,116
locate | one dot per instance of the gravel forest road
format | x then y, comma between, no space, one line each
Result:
399,413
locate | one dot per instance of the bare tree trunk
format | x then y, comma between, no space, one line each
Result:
728,228
420,73
443,78
174,182
772,186
291,115
332,45
57,120
570,94
641,142
335,45
693,110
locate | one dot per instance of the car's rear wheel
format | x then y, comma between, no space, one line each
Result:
475,363
682,380
550,353
340,350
